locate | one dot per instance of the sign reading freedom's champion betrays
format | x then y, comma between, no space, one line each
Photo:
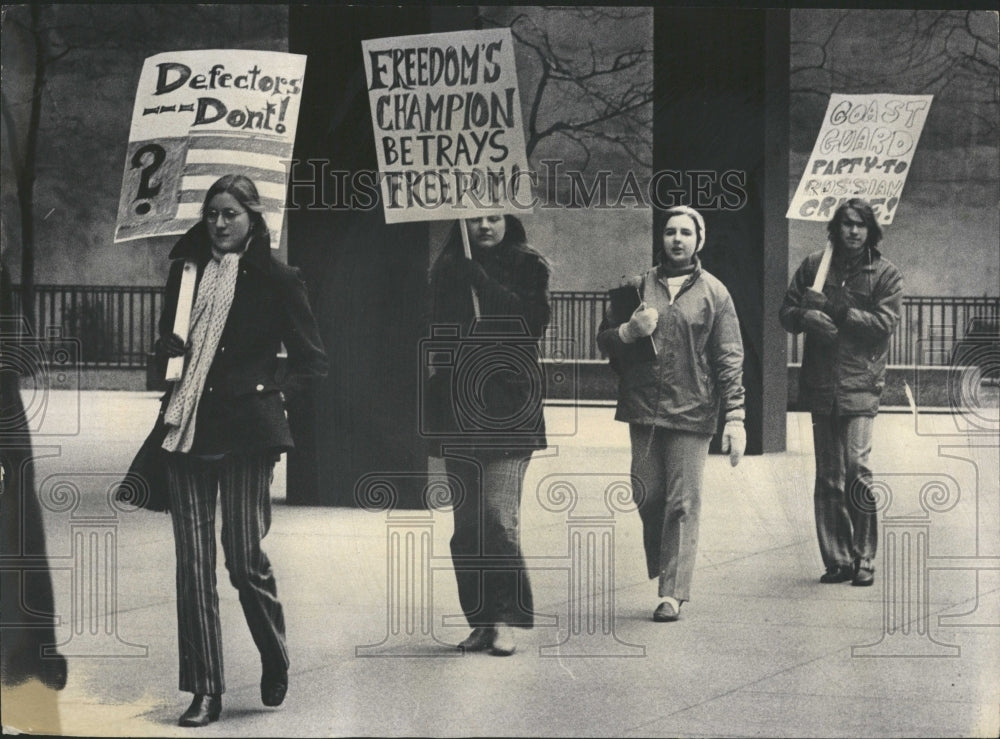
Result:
199,115
447,121
864,149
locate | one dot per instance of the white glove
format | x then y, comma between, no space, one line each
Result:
642,323
734,441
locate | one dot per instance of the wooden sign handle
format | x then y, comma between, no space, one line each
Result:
468,255
182,319
824,268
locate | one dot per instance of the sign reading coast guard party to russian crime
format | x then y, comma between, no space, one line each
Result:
864,149
199,115
447,121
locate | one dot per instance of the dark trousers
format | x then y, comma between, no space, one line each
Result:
243,482
492,577
846,521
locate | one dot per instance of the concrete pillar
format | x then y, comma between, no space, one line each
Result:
367,280
720,128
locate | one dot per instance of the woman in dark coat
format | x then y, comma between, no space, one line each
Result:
226,428
27,603
485,397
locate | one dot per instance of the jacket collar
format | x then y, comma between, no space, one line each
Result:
661,275
495,253
661,271
196,245
863,261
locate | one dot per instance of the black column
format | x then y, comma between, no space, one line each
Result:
723,146
777,41
368,281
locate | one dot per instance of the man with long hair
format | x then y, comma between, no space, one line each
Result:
848,327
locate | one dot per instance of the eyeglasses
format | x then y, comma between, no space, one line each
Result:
228,215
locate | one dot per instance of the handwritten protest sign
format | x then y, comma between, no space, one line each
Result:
199,115
864,149
447,121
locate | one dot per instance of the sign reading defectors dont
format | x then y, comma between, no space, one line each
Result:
864,149
447,121
202,114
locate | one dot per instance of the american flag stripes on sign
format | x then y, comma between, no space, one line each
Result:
200,115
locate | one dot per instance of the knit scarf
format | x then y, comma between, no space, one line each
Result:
208,319
665,270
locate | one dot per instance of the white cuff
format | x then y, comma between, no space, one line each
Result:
624,335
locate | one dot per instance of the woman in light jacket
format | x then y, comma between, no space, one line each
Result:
672,402
226,428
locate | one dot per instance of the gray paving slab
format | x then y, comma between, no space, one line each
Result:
756,715
761,650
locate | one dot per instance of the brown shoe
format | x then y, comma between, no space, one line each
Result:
503,641
479,640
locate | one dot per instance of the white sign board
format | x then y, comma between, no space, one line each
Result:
200,115
447,121
864,149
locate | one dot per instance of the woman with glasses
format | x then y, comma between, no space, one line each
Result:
226,428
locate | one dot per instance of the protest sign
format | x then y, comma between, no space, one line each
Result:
864,149
447,121
199,115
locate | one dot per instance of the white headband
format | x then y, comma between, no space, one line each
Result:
684,210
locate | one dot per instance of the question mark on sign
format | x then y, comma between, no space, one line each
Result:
147,191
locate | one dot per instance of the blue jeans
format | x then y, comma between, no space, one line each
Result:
846,521
669,467
491,574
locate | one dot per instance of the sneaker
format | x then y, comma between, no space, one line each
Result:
503,641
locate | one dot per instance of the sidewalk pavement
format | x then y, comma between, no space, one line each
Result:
762,649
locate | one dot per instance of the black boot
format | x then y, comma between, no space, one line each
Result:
204,709
273,686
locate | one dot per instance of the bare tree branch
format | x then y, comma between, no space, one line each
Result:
920,52
587,92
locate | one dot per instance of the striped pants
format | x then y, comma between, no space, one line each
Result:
243,482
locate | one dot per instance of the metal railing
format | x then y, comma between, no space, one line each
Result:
572,332
929,329
116,325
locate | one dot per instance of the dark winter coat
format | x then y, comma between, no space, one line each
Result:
487,385
242,406
27,603
848,373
